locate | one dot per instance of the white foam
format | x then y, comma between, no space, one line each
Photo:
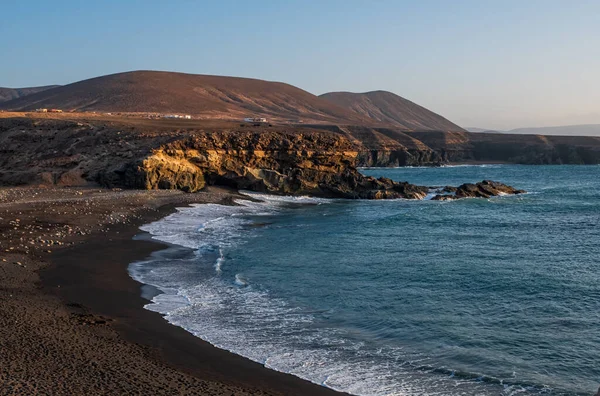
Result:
219,262
304,199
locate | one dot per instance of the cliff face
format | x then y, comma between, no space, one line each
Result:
393,147
517,149
303,164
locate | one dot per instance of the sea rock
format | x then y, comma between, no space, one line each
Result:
483,189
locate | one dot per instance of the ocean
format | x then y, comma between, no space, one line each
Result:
493,296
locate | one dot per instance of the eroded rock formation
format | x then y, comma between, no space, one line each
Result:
301,164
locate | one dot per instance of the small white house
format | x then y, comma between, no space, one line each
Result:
250,119
187,117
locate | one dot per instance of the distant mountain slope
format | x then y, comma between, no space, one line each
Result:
209,96
481,130
7,94
567,130
391,109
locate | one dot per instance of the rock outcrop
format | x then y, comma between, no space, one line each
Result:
296,164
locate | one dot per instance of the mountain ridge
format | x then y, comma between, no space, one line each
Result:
231,98
7,94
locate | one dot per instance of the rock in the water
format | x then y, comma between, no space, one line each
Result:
483,189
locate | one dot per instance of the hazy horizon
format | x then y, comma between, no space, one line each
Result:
499,66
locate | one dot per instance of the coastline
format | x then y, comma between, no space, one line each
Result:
86,329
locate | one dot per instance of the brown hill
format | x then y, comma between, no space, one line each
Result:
201,95
391,109
7,94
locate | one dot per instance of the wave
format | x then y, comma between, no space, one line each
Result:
302,199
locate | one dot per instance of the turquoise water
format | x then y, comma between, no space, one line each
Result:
470,297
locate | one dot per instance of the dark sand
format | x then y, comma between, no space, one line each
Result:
72,320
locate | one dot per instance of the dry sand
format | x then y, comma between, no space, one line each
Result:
71,319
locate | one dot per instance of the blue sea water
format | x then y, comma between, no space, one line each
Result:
493,296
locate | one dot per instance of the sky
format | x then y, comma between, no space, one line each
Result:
482,63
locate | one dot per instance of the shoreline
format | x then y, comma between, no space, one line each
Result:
102,339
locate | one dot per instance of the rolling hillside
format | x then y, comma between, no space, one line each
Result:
391,109
201,95
230,98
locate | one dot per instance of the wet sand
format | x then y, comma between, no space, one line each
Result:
72,320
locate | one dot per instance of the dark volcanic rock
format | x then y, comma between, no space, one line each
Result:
483,189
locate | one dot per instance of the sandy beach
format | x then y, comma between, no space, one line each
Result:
72,320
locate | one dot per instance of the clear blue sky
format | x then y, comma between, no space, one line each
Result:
495,64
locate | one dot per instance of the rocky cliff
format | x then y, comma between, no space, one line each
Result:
466,147
283,163
277,160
